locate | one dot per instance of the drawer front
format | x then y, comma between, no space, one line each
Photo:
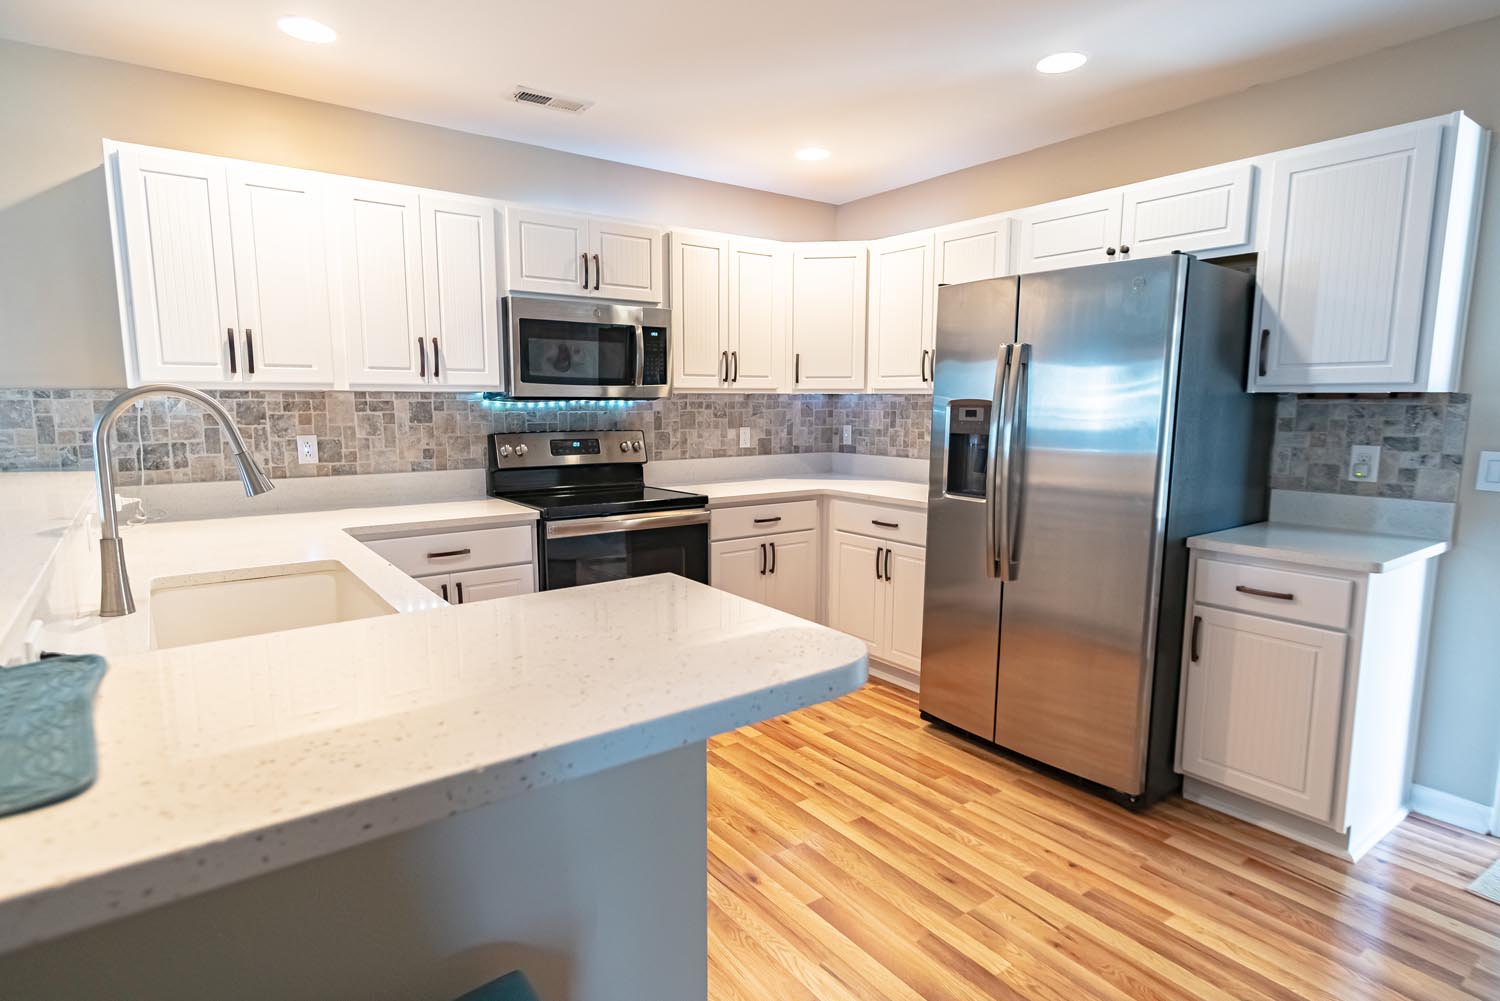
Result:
421,555
763,519
1285,594
894,523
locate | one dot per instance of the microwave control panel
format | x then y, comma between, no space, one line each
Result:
654,365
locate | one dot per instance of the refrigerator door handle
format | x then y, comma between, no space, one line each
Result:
1015,472
994,489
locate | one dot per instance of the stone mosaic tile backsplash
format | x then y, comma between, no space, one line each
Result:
1421,439
167,441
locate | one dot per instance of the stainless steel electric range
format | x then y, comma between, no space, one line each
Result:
599,520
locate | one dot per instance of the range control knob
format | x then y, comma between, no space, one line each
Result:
504,451
635,446
624,446
521,449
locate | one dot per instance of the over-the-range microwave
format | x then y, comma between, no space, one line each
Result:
562,349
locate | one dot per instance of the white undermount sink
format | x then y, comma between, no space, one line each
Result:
199,609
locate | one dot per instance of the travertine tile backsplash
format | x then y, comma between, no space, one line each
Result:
166,441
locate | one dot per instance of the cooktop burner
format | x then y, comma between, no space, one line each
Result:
597,502
588,474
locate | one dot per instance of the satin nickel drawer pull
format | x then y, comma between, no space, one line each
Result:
1278,595
449,552
885,524
767,521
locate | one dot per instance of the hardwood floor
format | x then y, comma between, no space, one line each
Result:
858,854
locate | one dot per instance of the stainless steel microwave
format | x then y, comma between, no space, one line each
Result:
562,349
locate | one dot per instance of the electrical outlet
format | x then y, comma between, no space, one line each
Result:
848,434
745,438
1364,463
307,448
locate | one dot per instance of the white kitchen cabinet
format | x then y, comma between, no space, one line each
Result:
760,278
379,254
865,599
780,570
1069,233
828,316
901,329
700,310
468,586
1199,212
905,583
580,255
973,251
459,290
736,566
1365,269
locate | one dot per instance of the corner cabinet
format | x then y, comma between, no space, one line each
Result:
902,331
1366,266
579,255
828,316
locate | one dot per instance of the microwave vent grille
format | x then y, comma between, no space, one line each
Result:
532,95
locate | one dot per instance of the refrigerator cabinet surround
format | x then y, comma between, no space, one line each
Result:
1117,425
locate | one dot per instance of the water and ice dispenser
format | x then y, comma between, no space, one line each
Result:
968,447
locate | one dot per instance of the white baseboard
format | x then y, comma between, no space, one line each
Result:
898,676
1450,809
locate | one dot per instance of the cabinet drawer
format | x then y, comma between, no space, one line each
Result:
421,555
763,519
894,523
1286,594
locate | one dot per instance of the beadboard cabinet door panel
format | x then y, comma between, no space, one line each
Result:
700,309
547,252
626,259
760,278
1198,212
380,257
459,289
1069,233
901,330
973,251
828,316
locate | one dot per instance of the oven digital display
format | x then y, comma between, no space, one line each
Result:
575,446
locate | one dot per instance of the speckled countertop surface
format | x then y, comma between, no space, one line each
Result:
1326,548
727,492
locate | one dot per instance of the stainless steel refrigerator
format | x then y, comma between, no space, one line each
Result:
1084,423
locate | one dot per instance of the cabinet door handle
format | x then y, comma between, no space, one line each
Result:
436,372
584,258
887,564
1195,647
1265,341
1278,595
422,357
596,272
249,351
233,368
724,366
459,585
878,553
767,521
885,524
444,588
797,368
1124,248
773,557
449,552
762,559
925,353
1109,251
734,360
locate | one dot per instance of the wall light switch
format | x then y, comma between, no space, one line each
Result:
307,448
1489,471
1364,463
848,434
745,438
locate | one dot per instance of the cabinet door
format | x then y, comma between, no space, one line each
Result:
468,586
627,261
380,256
901,329
1068,233
546,252
1195,212
700,309
792,577
1262,709
760,277
904,587
1344,265
174,212
973,251
828,316
281,275
739,567
458,287
856,589
438,585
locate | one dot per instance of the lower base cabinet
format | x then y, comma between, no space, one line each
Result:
875,592
778,570
468,586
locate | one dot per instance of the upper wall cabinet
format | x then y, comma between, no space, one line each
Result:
222,271
1365,269
901,329
567,254
760,281
729,311
973,251
828,316
1069,233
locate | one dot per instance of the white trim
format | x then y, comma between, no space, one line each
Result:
1450,809
899,676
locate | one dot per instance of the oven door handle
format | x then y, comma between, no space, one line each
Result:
574,527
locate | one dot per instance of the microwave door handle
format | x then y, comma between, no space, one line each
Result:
994,488
640,355
1015,473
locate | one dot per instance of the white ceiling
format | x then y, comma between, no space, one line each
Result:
899,90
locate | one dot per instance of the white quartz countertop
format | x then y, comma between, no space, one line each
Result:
1325,548
724,493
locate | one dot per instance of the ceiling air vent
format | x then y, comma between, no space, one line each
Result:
530,95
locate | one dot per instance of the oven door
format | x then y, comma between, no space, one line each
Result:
557,349
591,550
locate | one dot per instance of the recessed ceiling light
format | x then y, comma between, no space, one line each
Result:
1061,62
305,29
813,153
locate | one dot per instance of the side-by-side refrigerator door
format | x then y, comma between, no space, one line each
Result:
976,328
